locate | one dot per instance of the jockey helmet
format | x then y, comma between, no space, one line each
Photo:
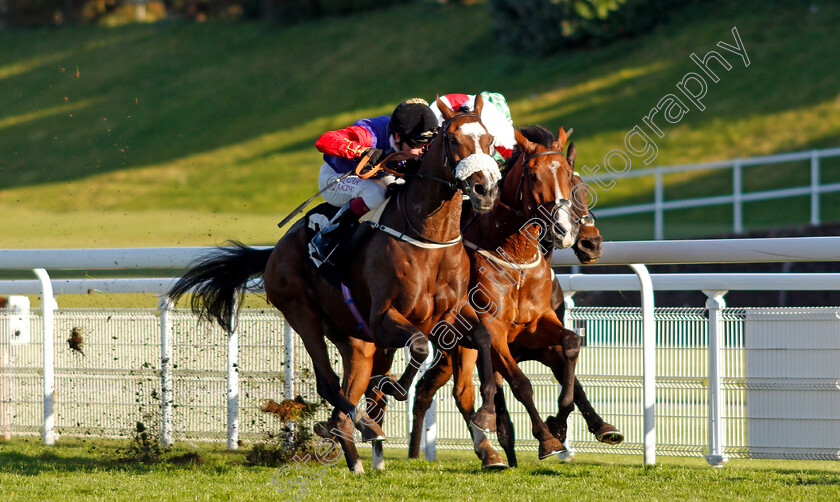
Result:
414,121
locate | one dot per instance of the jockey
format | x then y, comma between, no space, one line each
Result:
410,127
495,116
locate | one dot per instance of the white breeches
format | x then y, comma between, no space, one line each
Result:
372,191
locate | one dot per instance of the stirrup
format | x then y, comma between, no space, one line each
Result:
322,244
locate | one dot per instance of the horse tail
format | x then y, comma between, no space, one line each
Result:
219,279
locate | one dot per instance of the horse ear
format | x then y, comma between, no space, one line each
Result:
478,105
524,143
571,153
561,138
447,112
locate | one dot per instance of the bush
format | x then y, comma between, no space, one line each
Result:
36,12
293,11
543,26
41,12
57,12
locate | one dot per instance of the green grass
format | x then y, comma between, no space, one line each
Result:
191,134
90,470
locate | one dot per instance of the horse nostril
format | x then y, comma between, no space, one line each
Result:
479,190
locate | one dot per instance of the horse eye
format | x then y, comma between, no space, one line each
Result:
532,176
453,140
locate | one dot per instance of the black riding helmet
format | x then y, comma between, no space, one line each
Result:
414,121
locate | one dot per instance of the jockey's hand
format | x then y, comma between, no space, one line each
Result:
374,153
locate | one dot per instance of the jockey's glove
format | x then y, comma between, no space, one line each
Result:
375,155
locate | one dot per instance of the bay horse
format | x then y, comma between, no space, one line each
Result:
403,279
519,270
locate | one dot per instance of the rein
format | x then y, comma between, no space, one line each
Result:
424,241
423,238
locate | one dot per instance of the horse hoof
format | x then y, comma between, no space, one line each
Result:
493,462
556,427
372,433
322,429
551,447
484,422
609,435
357,468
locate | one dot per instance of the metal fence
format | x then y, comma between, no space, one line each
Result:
115,382
791,405
814,189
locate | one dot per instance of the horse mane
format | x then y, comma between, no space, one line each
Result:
535,133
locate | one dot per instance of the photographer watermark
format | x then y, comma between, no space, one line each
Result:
693,88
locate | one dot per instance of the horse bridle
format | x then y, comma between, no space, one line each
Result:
566,204
447,149
453,185
446,163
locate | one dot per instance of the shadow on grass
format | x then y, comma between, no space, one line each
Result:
33,464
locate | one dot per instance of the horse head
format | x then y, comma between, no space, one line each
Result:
587,246
540,185
467,150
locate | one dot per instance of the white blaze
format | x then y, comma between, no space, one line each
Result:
562,216
475,131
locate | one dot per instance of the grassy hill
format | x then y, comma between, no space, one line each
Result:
191,134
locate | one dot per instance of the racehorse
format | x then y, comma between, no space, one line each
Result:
521,275
404,278
587,246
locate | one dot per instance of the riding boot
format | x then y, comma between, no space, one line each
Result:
326,240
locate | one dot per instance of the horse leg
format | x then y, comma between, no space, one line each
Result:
485,418
549,326
428,385
394,330
603,431
309,328
464,393
376,410
504,425
524,392
357,356
377,403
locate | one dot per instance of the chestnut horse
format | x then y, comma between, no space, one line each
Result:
514,228
536,202
404,279
587,246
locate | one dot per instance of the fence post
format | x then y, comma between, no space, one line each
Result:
430,419
815,188
568,304
289,361
737,204
648,362
428,439
48,307
715,303
658,210
166,398
233,387
5,386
